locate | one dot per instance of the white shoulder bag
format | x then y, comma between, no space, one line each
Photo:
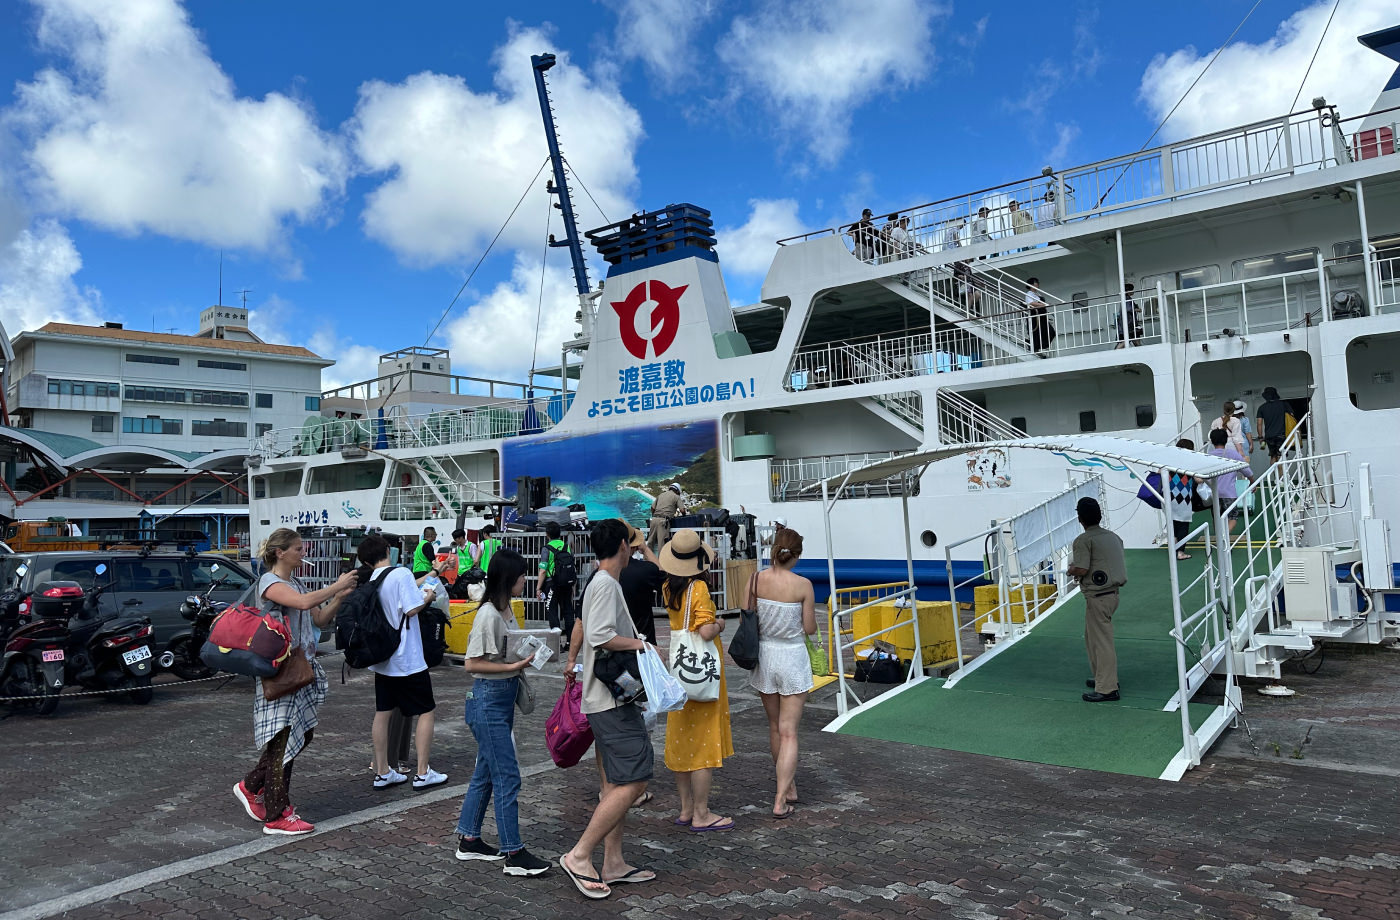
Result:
694,661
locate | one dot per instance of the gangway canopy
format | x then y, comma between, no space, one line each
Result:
1131,452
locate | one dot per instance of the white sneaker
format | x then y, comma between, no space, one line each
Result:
392,778
431,778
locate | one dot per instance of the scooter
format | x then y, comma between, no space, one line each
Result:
36,628
109,652
181,655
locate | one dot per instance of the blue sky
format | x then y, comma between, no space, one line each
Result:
352,164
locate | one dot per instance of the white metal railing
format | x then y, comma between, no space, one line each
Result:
962,421
433,429
841,646
788,477
426,502
420,381
860,361
1285,145
1270,303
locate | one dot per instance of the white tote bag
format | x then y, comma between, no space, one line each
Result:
694,661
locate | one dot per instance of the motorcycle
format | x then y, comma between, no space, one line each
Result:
111,651
36,630
181,655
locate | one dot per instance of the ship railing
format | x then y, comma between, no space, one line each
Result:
1269,303
507,419
1303,141
1387,273
864,360
962,421
420,382
426,502
788,477
848,647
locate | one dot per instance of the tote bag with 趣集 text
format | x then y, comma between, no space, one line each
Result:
694,661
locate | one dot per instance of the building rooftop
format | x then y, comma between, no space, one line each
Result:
164,338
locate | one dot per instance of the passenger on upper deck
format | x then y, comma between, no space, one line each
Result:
980,232
952,232
863,236
1042,327
1047,212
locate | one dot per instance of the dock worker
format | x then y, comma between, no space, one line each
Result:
489,544
1097,561
663,510
425,552
466,553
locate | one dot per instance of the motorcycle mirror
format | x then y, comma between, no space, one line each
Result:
214,567
101,569
21,569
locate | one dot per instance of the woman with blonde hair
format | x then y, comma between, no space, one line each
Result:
697,736
282,727
786,616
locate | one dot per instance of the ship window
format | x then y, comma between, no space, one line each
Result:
1198,277
345,477
1146,415
1371,371
1019,423
264,400
1387,247
284,484
1087,421
1278,263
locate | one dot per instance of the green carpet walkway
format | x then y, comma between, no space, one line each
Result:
1025,704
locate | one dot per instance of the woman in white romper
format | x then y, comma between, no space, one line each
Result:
783,678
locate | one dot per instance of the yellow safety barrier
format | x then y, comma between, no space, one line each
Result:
1027,601
463,614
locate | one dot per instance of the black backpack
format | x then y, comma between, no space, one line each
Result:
362,631
565,569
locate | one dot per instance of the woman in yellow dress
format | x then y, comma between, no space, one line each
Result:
697,736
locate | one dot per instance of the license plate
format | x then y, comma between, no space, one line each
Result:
137,654
54,655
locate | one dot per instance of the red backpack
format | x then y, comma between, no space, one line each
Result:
249,641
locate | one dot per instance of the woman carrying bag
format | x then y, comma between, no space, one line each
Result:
490,714
697,735
283,726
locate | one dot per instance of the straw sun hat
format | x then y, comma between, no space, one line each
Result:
635,538
686,554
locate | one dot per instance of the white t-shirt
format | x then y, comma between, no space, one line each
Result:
398,594
1034,297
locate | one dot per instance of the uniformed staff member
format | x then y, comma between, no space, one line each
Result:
425,552
1097,561
489,544
466,554
666,507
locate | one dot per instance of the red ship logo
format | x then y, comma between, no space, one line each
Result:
662,321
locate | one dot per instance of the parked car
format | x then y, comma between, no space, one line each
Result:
152,585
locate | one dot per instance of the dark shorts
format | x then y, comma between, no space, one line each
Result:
411,695
623,743
1235,514
1275,446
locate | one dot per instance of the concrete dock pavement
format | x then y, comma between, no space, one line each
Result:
115,811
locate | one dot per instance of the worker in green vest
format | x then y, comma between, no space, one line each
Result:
425,553
466,554
489,544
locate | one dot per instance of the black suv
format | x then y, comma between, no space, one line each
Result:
151,586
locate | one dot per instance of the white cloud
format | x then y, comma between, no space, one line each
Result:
279,321
138,129
813,64
493,336
1066,133
1348,74
36,281
748,249
660,33
458,160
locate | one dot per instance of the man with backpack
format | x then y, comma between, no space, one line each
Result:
388,603
558,578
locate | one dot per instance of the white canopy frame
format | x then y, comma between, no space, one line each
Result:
1140,457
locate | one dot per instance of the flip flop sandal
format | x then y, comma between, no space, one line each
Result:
779,816
725,825
635,875
581,881
681,822
644,798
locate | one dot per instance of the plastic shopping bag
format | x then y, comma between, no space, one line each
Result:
664,692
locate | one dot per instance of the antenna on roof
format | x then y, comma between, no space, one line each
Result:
221,278
244,294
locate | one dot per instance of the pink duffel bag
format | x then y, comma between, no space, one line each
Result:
566,731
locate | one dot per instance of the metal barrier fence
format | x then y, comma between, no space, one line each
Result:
877,594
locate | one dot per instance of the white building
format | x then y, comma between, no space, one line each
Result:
206,392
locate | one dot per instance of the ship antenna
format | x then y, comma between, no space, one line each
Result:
541,63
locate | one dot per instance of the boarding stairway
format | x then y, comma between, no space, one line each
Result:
991,309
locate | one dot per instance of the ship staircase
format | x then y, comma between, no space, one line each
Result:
986,304
1179,624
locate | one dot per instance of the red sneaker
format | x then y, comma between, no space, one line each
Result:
289,824
252,804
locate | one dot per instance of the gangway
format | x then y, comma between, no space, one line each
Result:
1021,698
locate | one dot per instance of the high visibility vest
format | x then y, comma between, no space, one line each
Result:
464,559
422,561
488,549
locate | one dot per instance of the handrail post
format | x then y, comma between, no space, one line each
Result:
834,615
918,662
953,595
1188,737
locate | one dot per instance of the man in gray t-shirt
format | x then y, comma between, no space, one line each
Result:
621,740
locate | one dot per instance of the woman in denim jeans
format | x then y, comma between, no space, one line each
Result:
490,713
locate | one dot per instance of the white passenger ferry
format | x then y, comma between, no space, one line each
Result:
1266,255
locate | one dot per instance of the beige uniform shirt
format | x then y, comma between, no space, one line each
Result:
668,505
1101,552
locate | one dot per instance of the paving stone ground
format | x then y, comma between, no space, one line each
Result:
137,799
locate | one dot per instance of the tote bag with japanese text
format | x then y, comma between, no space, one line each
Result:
694,661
